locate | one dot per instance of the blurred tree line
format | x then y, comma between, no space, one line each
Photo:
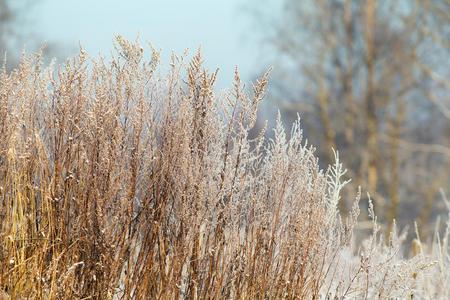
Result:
6,18
17,35
371,79
11,34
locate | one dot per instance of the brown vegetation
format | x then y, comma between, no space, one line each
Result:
120,183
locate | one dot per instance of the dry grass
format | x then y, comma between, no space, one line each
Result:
119,183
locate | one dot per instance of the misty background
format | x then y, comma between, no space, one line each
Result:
222,29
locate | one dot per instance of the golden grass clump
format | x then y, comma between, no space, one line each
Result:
118,182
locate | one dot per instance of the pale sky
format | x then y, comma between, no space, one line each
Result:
221,27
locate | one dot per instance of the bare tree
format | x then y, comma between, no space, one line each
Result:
5,19
13,30
372,74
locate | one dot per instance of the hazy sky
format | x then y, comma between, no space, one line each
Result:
221,27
